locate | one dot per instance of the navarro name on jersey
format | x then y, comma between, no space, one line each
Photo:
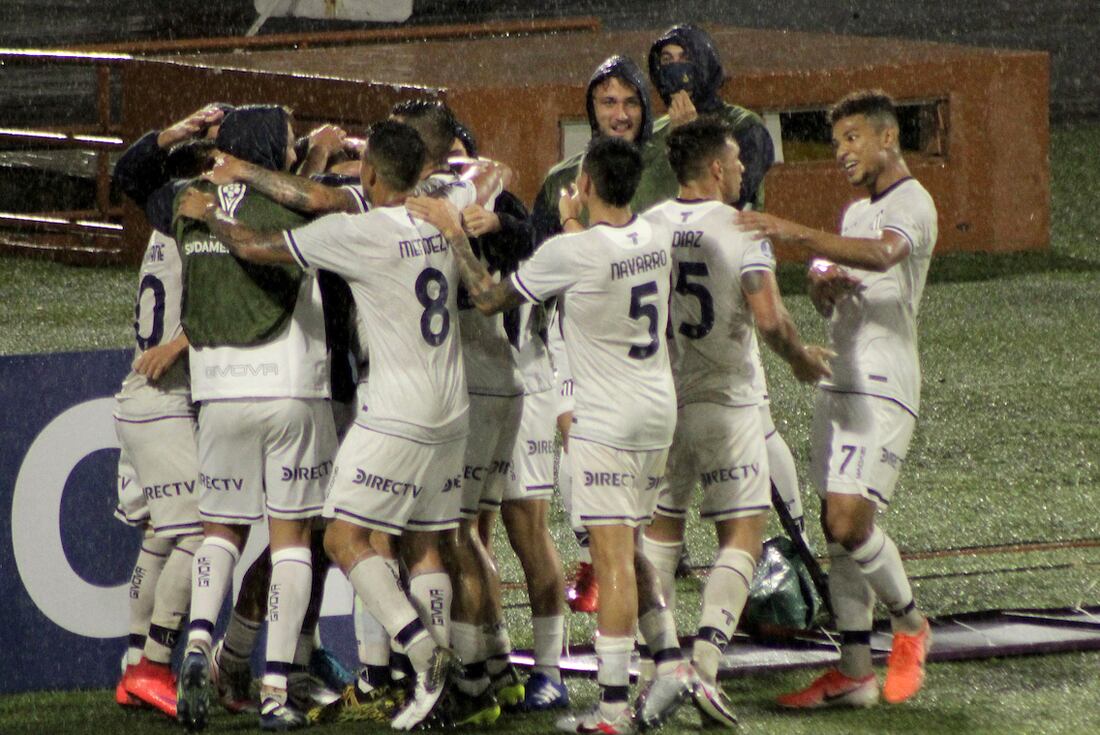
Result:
639,264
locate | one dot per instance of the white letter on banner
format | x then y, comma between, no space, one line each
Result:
58,591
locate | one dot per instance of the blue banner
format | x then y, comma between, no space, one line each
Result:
65,566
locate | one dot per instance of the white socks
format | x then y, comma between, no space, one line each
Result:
143,585
376,581
723,600
880,563
664,556
613,673
173,599
210,579
431,594
549,636
287,600
781,469
853,604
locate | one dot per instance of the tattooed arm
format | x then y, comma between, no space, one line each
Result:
809,363
264,248
487,295
293,192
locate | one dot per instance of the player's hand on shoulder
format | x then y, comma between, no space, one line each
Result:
478,221
814,364
227,168
768,225
681,110
194,203
440,213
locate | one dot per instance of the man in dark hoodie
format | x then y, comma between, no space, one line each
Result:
685,68
259,367
618,106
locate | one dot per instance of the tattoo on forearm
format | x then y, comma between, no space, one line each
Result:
237,237
290,191
486,294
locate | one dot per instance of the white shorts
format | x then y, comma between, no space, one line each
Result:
721,448
132,508
614,486
165,463
535,450
858,444
393,484
494,425
260,454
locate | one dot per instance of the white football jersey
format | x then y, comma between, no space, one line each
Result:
615,281
404,280
527,329
157,322
874,332
717,357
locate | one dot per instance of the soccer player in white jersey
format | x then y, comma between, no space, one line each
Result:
259,369
870,287
614,278
155,422
398,472
725,286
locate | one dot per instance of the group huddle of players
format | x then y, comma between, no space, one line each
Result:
370,344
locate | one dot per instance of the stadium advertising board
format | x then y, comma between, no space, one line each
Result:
66,563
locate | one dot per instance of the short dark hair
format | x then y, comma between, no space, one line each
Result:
189,158
693,146
874,104
615,167
433,120
397,154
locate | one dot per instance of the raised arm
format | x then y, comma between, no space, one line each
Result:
488,296
293,192
264,248
872,254
809,363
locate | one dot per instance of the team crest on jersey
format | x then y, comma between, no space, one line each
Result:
230,196
633,237
877,226
766,248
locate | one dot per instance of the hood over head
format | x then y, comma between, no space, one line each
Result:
257,134
623,68
702,75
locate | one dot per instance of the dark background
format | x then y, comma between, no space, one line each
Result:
1068,29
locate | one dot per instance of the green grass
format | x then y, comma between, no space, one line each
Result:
1007,450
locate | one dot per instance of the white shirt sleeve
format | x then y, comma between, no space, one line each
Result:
549,272
357,194
328,243
758,256
911,218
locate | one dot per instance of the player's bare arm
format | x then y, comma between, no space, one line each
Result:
293,192
264,248
872,254
809,363
488,296
489,177
154,362
323,142
192,126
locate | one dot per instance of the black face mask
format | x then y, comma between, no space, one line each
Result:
672,78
